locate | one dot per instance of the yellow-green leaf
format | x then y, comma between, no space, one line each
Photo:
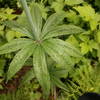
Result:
73,2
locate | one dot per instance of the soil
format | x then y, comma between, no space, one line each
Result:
13,84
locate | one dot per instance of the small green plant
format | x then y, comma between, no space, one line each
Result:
41,40
84,79
20,94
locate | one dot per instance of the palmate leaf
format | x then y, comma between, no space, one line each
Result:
19,60
15,45
63,30
18,27
52,21
36,17
40,69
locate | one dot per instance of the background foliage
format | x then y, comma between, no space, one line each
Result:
84,76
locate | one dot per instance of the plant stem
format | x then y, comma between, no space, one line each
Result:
55,94
29,17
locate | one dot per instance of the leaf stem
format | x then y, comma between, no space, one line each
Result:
29,17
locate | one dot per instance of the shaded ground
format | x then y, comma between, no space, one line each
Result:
13,84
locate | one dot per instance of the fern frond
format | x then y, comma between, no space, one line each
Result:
84,79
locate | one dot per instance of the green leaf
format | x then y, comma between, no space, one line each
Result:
10,35
23,19
72,40
43,9
2,64
15,45
70,49
40,69
98,36
56,81
19,60
57,52
58,72
93,45
85,48
63,30
73,2
58,5
94,22
29,18
18,27
36,17
6,14
86,12
67,47
52,21
73,17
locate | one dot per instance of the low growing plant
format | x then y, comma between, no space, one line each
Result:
41,40
84,79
